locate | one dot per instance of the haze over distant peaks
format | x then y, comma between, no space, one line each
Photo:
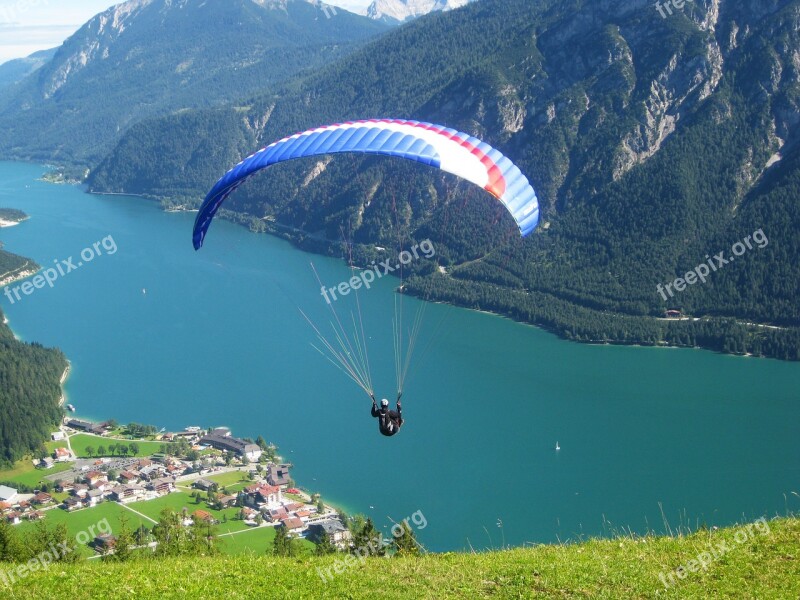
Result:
123,65
402,10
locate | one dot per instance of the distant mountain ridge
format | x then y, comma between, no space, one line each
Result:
403,10
146,58
16,70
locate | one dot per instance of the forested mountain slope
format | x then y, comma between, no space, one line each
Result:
145,58
652,142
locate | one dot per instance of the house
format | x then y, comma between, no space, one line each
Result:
278,475
65,486
262,496
47,463
204,484
72,503
219,440
104,486
203,516
62,455
42,498
7,494
162,486
80,490
293,525
228,501
5,507
269,494
152,472
674,314
95,428
13,518
92,478
337,533
302,514
278,514
127,493
57,436
129,476
189,435
249,514
35,515
293,506
104,543
93,498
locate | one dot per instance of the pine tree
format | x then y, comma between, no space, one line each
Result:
324,546
125,539
8,542
283,544
406,543
368,539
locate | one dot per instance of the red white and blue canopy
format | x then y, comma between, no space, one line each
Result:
434,145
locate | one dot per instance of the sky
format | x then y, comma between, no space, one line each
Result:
27,26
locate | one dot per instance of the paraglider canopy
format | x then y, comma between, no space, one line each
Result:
434,145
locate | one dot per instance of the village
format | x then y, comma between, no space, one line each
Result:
208,476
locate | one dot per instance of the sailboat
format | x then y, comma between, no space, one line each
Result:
557,446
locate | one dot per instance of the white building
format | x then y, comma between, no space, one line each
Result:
7,494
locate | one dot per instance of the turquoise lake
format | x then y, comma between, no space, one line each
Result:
158,333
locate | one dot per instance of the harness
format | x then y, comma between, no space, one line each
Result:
387,424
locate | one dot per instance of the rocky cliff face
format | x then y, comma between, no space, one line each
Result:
94,41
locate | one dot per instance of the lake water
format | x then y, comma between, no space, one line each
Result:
217,339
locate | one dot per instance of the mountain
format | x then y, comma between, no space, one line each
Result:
654,143
397,11
16,70
151,57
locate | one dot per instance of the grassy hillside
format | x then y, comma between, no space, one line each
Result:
764,565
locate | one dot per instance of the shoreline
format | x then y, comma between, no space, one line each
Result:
20,275
10,223
289,237
291,232
64,377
